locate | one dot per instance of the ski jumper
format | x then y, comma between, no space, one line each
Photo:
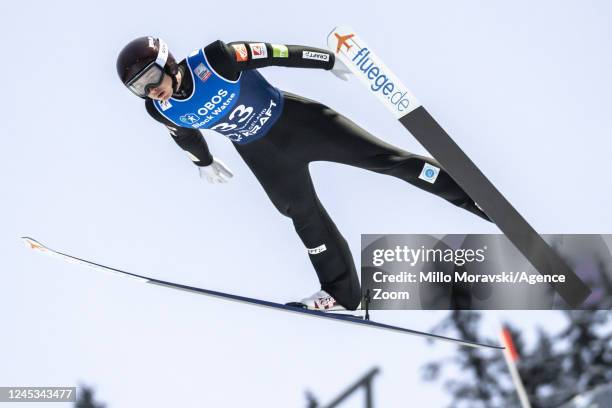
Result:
278,134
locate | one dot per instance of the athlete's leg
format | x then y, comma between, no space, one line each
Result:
289,186
333,137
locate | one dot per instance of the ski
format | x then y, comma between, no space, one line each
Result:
366,66
35,245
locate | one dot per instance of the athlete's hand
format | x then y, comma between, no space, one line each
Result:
216,172
340,70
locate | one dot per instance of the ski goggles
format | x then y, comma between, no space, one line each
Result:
152,75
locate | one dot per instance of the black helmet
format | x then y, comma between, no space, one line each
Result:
142,62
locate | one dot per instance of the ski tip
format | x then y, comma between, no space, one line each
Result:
332,31
341,29
33,244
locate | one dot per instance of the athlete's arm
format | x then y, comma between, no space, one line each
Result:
230,59
190,140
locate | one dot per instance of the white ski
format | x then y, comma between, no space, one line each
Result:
395,96
37,246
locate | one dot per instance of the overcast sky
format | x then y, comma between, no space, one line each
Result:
524,87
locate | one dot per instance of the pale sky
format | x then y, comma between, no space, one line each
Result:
523,87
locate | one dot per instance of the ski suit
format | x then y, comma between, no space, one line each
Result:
278,134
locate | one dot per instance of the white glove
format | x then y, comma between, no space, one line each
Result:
216,172
340,69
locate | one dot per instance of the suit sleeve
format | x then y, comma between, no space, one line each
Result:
190,140
230,59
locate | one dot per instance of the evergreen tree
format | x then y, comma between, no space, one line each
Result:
86,399
554,369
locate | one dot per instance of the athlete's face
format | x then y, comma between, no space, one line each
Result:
163,92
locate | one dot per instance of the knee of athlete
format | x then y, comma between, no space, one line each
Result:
402,166
284,209
298,210
303,216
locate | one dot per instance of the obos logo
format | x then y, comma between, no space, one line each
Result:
214,101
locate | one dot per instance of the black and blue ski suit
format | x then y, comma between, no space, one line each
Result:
278,134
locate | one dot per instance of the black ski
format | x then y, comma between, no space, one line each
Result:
360,59
33,244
